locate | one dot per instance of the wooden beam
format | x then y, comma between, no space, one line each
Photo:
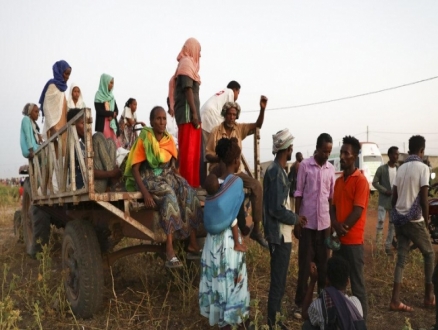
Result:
257,154
128,219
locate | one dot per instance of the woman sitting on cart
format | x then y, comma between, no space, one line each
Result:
150,168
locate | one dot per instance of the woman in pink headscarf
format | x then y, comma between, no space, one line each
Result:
184,103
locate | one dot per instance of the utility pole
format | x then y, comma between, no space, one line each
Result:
367,133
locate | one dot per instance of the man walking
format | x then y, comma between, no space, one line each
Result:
410,215
315,185
292,176
383,182
278,222
348,215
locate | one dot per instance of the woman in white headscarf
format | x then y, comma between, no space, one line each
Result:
30,136
75,100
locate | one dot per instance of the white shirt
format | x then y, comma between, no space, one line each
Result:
410,178
211,110
316,317
286,230
392,173
172,127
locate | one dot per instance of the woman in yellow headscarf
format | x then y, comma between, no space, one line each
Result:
150,168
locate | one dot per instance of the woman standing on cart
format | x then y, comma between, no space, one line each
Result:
150,168
106,109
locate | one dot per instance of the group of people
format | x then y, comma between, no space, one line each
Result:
167,168
340,205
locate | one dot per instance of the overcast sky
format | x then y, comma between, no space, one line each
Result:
294,52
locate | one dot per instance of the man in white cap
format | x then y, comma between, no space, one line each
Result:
278,222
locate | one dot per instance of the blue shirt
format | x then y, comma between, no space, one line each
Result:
27,137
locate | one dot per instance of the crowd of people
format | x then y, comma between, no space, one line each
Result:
11,182
167,162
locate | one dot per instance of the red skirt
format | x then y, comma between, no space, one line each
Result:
189,145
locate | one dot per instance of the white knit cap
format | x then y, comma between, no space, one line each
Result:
282,140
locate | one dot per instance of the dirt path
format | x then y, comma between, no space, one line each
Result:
378,271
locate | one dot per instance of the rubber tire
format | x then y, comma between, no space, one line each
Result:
35,223
81,256
18,226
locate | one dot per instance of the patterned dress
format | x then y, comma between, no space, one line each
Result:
178,203
223,290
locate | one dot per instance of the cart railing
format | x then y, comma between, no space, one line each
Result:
52,171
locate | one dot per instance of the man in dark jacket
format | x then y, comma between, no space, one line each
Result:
383,181
278,222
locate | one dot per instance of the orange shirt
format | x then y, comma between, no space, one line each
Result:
354,191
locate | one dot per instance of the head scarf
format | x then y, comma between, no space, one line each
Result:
188,65
227,106
58,79
105,95
28,109
157,152
70,103
282,140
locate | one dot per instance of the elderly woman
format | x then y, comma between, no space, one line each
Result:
150,168
30,136
223,289
53,102
184,103
106,109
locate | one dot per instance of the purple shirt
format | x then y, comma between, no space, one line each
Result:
315,184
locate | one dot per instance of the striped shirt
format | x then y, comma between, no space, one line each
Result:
316,316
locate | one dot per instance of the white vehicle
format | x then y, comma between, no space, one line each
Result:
368,161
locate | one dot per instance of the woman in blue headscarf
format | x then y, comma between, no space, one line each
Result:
52,101
106,109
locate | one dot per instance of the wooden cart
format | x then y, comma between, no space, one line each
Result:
94,222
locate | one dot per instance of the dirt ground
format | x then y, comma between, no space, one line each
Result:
147,297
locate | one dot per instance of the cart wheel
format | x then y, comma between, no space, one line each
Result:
35,223
82,265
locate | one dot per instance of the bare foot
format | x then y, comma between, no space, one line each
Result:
240,247
400,307
194,248
430,303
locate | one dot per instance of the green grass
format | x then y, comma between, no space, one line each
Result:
8,195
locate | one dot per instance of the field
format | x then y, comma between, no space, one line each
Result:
141,294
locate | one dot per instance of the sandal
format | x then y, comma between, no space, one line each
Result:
401,308
194,255
173,263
